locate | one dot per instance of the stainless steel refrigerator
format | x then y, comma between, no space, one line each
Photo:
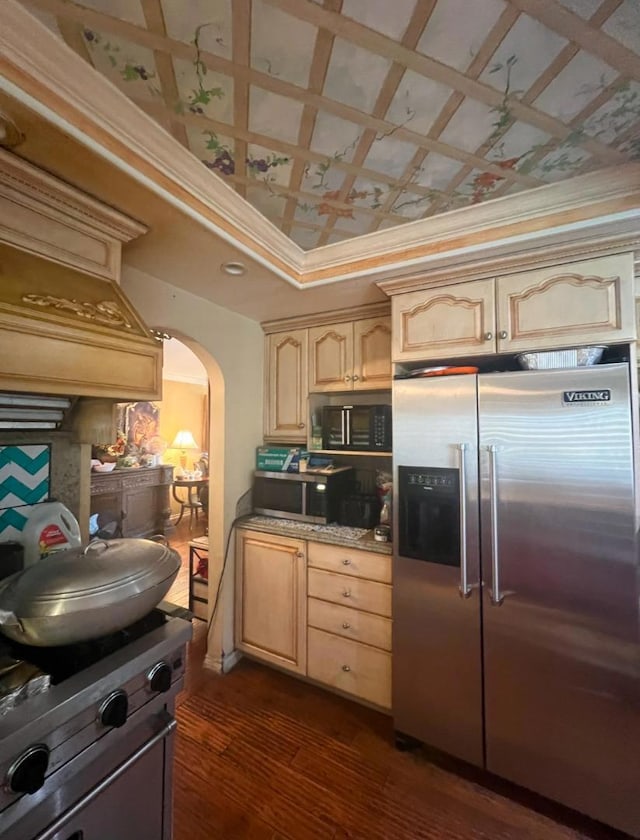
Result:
516,633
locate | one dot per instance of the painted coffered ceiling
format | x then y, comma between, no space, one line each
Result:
343,117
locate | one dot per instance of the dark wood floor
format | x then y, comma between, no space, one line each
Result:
264,756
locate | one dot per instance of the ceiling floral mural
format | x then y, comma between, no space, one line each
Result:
336,118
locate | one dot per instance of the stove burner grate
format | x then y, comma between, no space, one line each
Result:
64,661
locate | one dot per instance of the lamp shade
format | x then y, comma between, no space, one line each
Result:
184,440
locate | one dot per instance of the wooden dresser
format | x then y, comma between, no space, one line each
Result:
138,499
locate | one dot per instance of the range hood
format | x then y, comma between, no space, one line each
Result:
65,333
66,328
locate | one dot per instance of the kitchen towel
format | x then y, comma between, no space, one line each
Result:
24,481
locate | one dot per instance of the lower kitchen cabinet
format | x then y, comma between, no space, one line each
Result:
271,599
329,620
357,625
349,666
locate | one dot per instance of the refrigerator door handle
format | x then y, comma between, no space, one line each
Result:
496,597
464,588
343,438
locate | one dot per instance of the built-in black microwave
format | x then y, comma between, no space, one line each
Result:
363,428
306,496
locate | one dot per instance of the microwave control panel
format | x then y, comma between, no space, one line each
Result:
380,436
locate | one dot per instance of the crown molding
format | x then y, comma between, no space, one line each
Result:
613,236
40,70
575,202
318,319
186,379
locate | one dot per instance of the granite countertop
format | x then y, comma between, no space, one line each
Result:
333,534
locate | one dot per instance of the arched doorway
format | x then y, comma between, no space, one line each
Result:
178,375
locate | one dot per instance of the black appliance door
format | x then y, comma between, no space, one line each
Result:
360,428
429,515
317,499
334,427
278,494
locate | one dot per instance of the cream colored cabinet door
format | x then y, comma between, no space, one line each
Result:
579,303
443,323
350,356
372,354
331,358
286,387
271,599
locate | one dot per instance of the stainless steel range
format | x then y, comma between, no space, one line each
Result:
90,758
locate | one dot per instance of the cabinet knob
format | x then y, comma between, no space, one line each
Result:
347,593
346,625
488,336
346,668
347,378
346,562
299,555
301,425
356,377
503,334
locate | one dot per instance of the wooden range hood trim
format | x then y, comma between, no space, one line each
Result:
45,216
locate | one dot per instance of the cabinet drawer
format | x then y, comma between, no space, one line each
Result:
350,591
350,561
352,624
350,666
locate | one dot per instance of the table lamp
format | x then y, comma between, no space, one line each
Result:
184,440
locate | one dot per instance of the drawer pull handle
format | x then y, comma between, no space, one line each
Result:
347,593
346,625
346,562
346,667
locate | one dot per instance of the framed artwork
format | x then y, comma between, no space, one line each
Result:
140,422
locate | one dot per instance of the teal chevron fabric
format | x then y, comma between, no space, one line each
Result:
24,481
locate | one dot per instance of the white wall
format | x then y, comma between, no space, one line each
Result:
231,347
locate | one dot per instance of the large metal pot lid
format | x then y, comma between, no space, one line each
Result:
103,571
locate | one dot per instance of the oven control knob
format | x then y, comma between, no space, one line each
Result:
159,677
26,774
113,711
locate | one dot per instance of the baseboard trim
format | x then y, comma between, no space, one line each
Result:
230,660
213,663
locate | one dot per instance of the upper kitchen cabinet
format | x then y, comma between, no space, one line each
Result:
352,356
445,322
586,302
578,303
286,386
